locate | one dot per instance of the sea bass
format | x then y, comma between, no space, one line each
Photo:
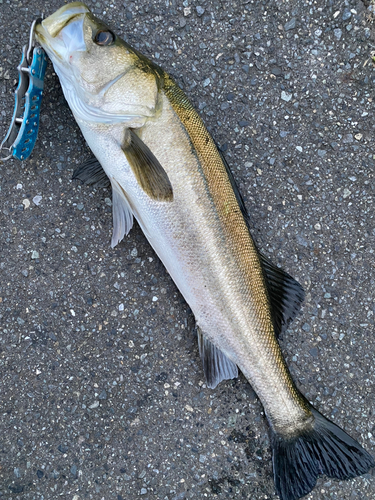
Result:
165,170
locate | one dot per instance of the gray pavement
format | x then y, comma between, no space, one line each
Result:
102,394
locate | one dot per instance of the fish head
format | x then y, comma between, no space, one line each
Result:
103,78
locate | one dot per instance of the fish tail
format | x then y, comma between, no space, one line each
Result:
323,448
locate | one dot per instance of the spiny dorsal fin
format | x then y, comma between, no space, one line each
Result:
285,293
150,175
91,172
216,365
236,191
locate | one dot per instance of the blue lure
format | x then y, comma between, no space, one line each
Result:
23,131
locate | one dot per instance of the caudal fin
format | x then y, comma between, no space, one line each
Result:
323,449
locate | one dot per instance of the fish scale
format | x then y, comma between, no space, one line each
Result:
250,282
166,171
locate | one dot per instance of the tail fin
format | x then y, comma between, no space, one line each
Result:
323,449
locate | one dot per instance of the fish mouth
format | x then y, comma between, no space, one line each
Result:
59,19
62,32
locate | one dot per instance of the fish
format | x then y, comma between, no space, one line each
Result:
154,151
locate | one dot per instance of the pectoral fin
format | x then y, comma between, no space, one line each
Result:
149,173
216,365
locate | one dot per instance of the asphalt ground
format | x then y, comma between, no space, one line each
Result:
102,391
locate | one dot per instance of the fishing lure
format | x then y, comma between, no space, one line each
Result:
23,130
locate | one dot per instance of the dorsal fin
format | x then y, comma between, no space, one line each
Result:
216,365
236,191
285,293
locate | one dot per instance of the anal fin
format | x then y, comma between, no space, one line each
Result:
216,365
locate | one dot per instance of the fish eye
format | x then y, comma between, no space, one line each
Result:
103,37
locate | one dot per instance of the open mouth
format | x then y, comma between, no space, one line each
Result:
62,33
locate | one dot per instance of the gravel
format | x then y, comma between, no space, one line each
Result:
93,394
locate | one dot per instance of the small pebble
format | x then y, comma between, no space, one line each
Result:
275,70
103,395
338,33
348,138
200,10
26,203
285,96
34,255
291,24
37,199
